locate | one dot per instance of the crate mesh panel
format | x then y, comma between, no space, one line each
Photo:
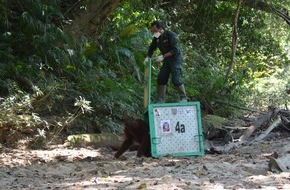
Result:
182,136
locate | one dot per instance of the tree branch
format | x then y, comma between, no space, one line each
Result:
270,128
262,6
256,124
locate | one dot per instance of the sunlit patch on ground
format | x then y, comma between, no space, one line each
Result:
88,168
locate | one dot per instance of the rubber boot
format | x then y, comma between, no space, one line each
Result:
181,91
161,90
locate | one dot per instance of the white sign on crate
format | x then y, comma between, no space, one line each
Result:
175,130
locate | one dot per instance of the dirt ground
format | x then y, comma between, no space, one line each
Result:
245,167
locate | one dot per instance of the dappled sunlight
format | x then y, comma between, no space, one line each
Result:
271,181
16,157
88,168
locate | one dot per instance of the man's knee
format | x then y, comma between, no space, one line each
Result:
176,77
163,77
162,81
177,82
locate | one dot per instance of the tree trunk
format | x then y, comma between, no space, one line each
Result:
89,19
234,40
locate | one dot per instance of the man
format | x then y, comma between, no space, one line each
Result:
171,57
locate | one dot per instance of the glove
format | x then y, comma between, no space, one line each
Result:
159,58
145,60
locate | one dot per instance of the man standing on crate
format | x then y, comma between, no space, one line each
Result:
171,57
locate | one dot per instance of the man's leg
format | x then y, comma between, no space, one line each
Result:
176,80
162,80
182,94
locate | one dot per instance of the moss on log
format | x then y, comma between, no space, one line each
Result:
99,140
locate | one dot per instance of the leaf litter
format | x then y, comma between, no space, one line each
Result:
246,167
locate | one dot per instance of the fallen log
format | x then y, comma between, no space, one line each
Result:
97,140
256,124
270,128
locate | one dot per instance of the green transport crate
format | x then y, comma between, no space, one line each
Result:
175,128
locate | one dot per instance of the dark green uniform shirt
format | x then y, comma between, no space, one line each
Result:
167,43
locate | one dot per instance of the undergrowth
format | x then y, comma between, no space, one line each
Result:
19,121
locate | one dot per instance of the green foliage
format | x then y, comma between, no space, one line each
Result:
205,33
63,68
277,87
31,40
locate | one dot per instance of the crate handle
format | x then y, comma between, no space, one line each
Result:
198,138
156,140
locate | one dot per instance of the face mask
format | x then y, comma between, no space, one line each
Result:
157,34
